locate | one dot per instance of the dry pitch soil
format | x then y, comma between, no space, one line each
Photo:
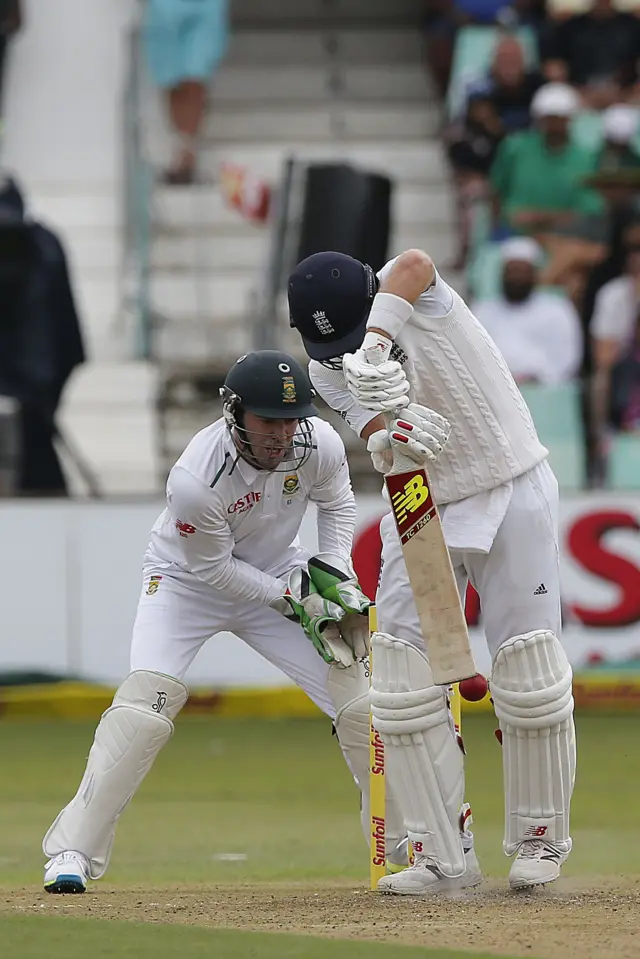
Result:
571,920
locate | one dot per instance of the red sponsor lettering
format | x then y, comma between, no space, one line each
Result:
586,544
245,503
378,831
185,529
378,755
536,831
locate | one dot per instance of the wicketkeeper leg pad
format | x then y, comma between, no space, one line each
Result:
532,696
349,689
422,753
129,736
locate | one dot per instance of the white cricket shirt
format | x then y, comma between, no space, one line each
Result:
454,368
236,527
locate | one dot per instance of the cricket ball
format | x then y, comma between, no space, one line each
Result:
473,689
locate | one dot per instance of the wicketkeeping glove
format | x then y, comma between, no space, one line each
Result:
336,581
318,617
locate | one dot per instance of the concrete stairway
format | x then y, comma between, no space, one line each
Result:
322,81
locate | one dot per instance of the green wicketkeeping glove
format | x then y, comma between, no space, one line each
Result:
335,580
318,617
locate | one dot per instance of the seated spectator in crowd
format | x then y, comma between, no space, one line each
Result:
614,336
597,52
538,332
619,130
537,174
185,40
445,17
40,339
472,145
509,86
537,179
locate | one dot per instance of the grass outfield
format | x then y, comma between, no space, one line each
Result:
278,793
253,826
35,938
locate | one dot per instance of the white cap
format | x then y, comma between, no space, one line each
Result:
555,100
521,248
620,123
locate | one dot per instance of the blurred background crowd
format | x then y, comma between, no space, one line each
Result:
518,121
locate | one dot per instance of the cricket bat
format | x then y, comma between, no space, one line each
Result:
429,568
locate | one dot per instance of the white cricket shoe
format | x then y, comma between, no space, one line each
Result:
536,863
66,873
424,879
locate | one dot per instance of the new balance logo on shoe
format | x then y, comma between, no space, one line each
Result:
540,591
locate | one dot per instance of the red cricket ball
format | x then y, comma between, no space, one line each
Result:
473,689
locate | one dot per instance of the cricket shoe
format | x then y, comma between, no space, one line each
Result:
536,863
423,878
66,873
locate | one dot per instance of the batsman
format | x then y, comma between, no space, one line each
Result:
225,555
461,414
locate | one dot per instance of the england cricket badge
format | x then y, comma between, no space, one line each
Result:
154,582
291,484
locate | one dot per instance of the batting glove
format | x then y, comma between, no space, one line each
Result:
418,432
382,388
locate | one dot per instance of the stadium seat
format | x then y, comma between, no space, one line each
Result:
472,57
556,413
624,462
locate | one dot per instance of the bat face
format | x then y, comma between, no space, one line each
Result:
411,501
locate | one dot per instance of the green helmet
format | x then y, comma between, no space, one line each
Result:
274,386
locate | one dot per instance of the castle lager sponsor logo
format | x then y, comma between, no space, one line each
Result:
378,831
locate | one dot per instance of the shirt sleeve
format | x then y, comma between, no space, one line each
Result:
332,387
207,543
333,495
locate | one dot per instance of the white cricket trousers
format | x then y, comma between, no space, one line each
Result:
178,613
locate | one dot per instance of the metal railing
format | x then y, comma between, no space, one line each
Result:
137,194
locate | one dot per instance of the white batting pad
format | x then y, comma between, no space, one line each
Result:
423,757
531,690
128,739
349,690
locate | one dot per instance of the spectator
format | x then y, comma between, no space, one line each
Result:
10,23
597,52
40,341
508,86
472,146
613,326
445,17
619,128
537,332
537,173
185,40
